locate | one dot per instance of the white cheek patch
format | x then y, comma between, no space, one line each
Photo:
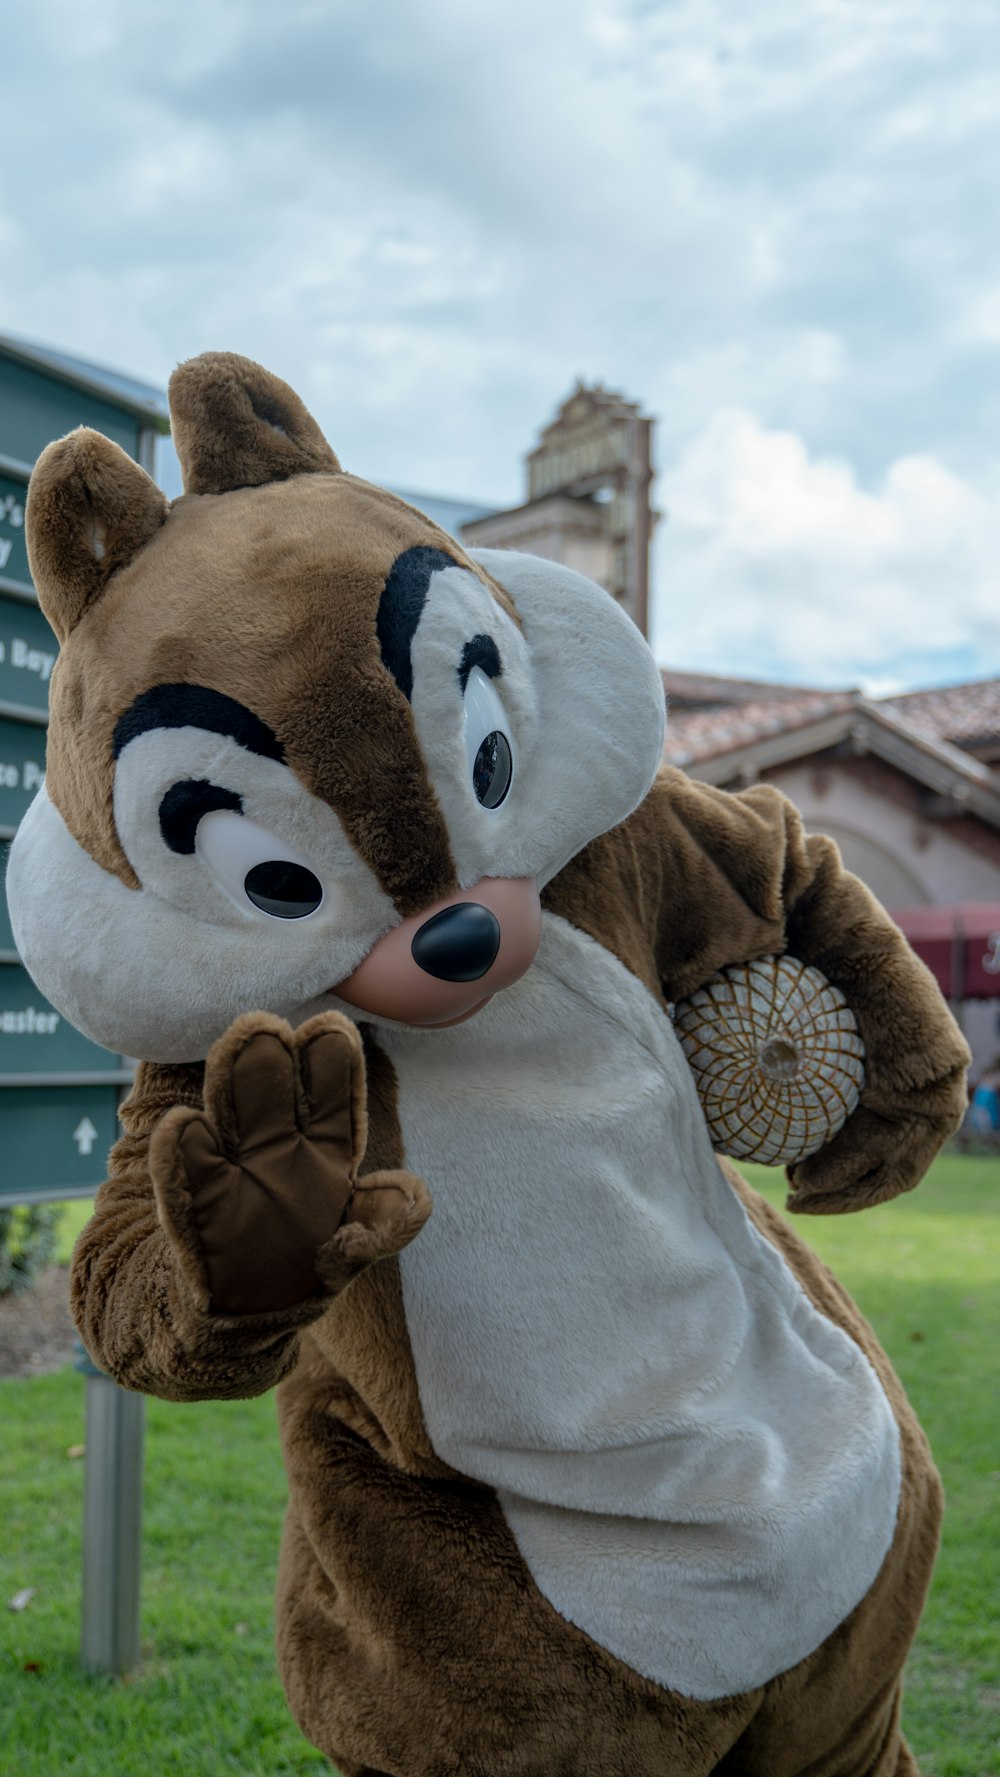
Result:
586,708
602,711
151,977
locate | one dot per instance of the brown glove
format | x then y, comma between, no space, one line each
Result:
257,1193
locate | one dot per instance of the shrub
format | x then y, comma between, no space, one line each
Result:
27,1243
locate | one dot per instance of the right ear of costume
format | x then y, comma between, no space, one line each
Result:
236,425
90,509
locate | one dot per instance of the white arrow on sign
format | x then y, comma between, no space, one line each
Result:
84,1135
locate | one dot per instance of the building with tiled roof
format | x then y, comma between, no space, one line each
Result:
908,786
966,715
699,735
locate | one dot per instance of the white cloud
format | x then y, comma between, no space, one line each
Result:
775,562
430,219
981,322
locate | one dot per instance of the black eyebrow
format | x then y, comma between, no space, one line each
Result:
195,706
403,598
482,652
183,806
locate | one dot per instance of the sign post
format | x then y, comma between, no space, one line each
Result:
59,1093
112,1524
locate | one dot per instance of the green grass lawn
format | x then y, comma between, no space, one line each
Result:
206,1699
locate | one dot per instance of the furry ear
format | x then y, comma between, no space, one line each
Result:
235,425
90,509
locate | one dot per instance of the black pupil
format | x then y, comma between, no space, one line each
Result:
493,769
287,891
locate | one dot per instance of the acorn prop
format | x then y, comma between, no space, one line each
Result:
776,1056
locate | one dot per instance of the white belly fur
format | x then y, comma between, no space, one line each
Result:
701,1472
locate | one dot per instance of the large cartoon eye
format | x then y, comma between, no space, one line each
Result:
251,865
487,743
288,891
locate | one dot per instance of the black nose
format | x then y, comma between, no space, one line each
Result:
459,944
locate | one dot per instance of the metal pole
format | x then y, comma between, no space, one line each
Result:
958,969
640,473
112,1525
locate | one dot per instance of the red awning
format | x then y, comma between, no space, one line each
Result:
960,944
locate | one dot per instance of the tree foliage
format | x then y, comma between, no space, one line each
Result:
27,1243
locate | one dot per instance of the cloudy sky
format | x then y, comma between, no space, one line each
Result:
775,224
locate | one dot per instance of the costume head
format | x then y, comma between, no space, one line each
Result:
305,751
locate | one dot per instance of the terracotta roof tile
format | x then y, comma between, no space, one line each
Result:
967,715
712,688
705,733
711,716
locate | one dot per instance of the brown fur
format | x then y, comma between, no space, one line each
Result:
447,1658
268,594
253,1189
250,582
837,1713
348,731
467,1669
412,1638
130,1292
698,879
236,425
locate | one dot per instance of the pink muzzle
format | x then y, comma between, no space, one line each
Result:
440,966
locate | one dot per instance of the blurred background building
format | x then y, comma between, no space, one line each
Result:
908,786
588,504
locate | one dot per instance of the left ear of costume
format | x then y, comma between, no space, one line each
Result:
90,510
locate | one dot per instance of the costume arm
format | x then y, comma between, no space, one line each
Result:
233,1212
737,873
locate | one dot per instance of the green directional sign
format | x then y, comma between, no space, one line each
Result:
6,935
58,1090
22,767
13,552
56,1141
38,406
37,1041
27,655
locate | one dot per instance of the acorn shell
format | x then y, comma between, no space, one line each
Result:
776,1057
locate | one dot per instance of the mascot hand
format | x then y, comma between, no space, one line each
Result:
257,1192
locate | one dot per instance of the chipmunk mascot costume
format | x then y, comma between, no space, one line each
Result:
362,844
